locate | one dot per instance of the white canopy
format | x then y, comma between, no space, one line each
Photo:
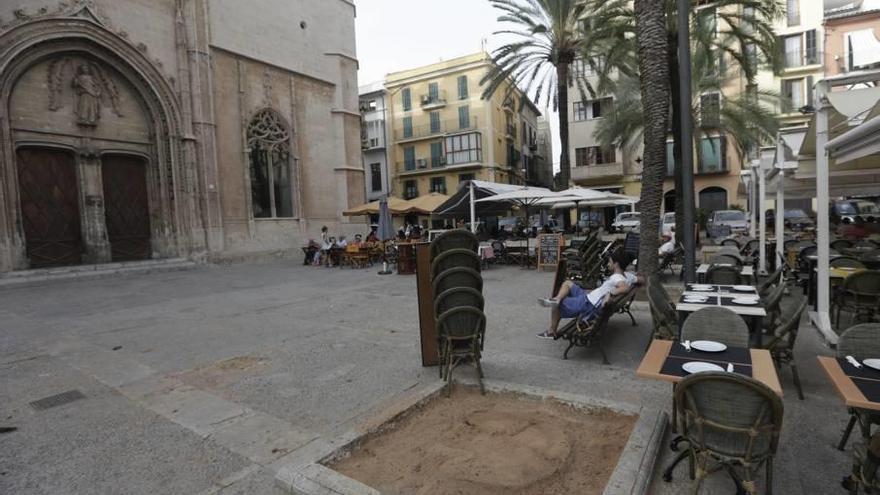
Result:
582,196
524,196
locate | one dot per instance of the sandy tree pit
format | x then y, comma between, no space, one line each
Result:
492,444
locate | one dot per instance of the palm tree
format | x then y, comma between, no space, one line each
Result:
547,40
736,33
650,29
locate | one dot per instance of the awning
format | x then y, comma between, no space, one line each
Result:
859,142
849,109
864,48
428,202
458,205
396,206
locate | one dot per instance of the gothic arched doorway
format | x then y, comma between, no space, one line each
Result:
102,103
50,214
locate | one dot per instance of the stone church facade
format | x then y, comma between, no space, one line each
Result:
205,129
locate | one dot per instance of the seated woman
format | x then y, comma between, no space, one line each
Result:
573,302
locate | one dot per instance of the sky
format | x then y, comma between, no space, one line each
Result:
395,35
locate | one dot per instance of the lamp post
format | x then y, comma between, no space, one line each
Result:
687,148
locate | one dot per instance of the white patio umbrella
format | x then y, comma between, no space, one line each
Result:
525,198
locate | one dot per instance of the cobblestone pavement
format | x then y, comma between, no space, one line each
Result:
203,381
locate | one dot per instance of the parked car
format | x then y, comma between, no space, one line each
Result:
841,210
794,218
721,220
866,208
626,222
668,226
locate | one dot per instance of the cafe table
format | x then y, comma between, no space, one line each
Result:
665,358
723,295
836,275
857,387
703,269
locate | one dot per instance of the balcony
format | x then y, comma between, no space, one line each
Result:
511,131
432,101
595,172
427,131
432,164
798,59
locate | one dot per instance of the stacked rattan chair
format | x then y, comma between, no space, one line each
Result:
458,301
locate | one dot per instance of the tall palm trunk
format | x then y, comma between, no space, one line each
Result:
562,92
651,44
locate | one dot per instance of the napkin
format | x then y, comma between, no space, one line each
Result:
853,361
730,367
687,345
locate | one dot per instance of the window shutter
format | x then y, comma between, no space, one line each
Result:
462,87
406,98
464,117
810,90
722,149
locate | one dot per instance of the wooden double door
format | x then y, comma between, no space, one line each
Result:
52,209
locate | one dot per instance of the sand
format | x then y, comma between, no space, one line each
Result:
492,444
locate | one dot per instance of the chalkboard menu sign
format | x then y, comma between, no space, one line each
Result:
549,249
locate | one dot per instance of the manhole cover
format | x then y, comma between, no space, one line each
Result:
57,400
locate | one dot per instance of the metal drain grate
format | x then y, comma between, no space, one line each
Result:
57,400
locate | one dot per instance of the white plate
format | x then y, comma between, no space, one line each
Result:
748,301
699,367
708,346
702,289
696,298
743,288
870,363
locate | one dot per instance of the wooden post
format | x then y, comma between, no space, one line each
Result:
427,328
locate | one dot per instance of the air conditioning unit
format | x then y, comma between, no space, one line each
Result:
422,163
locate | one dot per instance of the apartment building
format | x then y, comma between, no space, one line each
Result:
373,140
544,173
852,30
442,133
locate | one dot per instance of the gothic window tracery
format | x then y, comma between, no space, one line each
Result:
268,140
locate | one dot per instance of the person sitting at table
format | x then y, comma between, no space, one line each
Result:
342,243
358,241
571,301
372,237
668,246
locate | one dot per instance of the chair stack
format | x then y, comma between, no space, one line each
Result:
458,301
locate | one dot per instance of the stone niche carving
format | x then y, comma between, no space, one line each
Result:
78,95
92,88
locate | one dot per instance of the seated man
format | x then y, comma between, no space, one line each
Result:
668,246
573,302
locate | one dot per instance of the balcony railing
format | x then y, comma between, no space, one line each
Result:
589,172
511,131
457,159
801,58
433,100
445,127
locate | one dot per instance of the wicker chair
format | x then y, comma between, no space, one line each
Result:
731,242
457,297
730,422
453,239
861,342
859,294
781,347
773,307
454,258
750,248
662,312
840,244
725,259
668,261
723,275
500,252
460,333
457,277
716,323
864,471
774,278
846,262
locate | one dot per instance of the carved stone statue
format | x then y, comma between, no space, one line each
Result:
88,96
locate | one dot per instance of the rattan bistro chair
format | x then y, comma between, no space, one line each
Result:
730,422
861,342
662,312
457,277
455,258
454,239
773,279
846,262
773,306
859,294
840,244
864,471
460,332
716,323
725,259
781,346
723,275
730,242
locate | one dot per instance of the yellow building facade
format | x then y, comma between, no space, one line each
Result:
441,132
